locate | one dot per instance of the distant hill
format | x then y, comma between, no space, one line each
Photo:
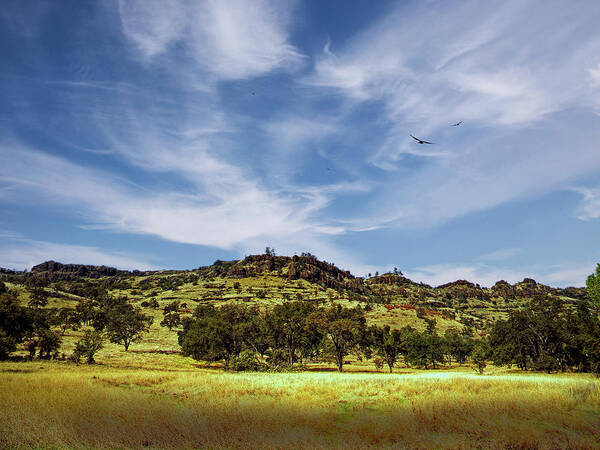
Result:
266,280
308,267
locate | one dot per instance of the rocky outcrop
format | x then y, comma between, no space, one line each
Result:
54,271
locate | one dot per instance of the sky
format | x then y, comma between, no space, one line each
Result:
145,134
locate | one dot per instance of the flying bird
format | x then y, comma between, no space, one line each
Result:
457,124
420,141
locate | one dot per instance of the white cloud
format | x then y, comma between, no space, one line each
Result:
22,254
233,39
569,276
486,275
595,75
501,254
444,273
225,209
293,133
590,205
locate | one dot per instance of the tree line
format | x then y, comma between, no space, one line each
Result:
544,334
290,333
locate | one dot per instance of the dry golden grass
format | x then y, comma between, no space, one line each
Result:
53,404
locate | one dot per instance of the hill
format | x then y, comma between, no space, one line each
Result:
266,280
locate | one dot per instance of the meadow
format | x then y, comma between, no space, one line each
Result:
54,404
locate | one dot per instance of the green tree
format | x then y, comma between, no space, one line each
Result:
593,287
346,329
387,344
47,341
457,345
214,334
16,323
126,324
257,335
422,349
86,309
288,328
532,337
91,342
479,356
171,320
68,318
38,297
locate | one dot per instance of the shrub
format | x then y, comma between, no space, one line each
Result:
153,303
247,361
278,358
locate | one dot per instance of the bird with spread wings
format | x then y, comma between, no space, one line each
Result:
420,141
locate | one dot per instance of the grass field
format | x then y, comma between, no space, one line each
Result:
56,405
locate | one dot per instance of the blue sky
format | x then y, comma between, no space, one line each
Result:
152,134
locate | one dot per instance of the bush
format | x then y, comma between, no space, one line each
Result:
278,358
152,303
247,361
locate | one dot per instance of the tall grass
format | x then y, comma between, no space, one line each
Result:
58,405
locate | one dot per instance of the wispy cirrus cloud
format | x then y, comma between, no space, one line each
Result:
510,84
219,212
233,40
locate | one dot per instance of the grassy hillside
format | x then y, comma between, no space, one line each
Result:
264,281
